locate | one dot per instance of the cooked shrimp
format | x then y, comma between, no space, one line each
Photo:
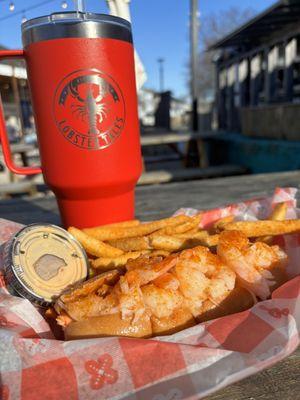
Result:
221,284
131,304
189,277
167,281
202,276
253,263
179,281
139,274
161,302
147,269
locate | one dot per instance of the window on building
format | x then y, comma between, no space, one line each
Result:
262,78
296,72
279,73
296,81
6,90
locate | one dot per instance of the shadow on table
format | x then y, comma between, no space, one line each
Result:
25,211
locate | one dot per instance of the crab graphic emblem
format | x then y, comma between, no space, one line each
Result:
89,109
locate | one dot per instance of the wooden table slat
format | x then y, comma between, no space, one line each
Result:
175,137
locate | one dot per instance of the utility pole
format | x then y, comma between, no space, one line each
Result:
194,32
161,74
80,5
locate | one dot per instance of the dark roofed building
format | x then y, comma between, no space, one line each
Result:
258,74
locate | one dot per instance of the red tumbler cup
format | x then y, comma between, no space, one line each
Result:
81,76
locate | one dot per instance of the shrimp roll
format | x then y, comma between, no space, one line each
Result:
161,296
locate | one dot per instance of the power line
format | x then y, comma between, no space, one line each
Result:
24,10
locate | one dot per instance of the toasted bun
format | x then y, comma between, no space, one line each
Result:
280,276
108,325
180,319
238,300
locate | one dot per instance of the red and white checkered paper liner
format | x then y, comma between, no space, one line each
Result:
188,365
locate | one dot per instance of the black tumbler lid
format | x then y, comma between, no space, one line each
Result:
75,25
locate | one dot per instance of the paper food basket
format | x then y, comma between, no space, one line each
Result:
188,365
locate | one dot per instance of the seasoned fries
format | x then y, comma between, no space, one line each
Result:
180,228
93,246
193,235
123,224
131,244
211,240
159,253
176,243
278,214
264,228
106,264
115,244
220,224
104,233
169,243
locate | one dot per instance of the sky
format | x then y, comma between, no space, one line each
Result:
160,29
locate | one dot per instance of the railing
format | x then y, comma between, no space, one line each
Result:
279,121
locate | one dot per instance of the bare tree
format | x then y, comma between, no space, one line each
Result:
213,27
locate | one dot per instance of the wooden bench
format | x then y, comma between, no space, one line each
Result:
14,186
164,176
24,151
22,187
163,137
160,137
172,138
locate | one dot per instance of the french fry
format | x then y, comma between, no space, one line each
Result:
104,234
94,246
169,243
264,227
211,240
220,224
190,232
173,243
107,263
278,214
170,230
181,228
131,244
193,235
200,238
123,224
157,253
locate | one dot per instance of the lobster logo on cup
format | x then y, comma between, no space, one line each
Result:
89,109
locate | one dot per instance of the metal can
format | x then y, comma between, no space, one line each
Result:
42,260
